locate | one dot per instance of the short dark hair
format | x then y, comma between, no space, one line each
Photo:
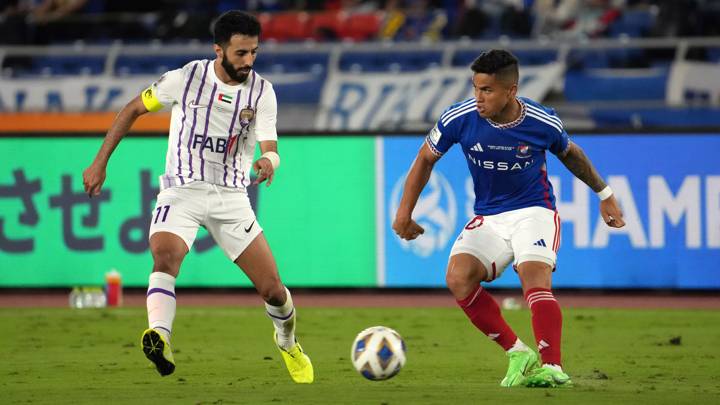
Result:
497,62
234,22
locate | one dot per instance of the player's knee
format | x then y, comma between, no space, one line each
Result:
166,260
273,293
464,273
460,283
535,274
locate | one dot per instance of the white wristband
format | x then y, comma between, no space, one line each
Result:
605,193
273,157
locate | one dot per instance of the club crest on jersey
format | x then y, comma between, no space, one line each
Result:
522,151
246,115
225,98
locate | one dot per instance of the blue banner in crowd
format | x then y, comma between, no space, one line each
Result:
668,186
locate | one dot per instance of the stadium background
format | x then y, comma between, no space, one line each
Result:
637,84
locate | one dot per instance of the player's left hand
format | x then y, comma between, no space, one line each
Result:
611,212
265,171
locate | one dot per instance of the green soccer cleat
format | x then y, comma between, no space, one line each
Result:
520,364
297,362
158,350
547,377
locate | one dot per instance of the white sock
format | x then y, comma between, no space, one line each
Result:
161,302
283,318
518,346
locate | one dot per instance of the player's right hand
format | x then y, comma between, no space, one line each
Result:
612,213
93,179
406,228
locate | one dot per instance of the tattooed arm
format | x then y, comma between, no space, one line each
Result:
575,159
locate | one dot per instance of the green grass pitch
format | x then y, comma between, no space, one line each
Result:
226,355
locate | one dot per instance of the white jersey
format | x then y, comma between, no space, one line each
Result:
213,126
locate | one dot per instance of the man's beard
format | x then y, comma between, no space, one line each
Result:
234,74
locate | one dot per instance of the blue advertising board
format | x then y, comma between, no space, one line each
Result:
668,186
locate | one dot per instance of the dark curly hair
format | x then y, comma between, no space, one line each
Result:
498,62
234,22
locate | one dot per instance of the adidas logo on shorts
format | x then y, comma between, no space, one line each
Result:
541,242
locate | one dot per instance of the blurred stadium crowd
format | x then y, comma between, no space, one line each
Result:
601,63
97,21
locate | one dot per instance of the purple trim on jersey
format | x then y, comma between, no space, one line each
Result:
262,86
207,124
192,129
161,291
283,318
242,181
252,87
182,126
235,164
230,131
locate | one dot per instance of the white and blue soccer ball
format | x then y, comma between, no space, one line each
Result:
378,353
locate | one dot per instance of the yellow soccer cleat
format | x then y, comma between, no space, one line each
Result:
157,350
298,363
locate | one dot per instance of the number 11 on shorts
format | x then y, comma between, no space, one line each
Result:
164,214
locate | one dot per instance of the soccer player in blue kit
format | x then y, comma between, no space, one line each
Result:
504,138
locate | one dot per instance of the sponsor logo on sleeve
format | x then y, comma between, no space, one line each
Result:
435,135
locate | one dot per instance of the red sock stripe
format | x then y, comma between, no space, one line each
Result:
539,296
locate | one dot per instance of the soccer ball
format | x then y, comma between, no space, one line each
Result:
378,353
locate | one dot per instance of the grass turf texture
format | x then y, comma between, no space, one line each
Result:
226,355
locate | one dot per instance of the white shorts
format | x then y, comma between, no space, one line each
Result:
527,234
224,211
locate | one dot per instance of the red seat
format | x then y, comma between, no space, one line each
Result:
286,26
326,25
362,27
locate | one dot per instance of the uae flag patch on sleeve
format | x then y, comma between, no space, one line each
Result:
225,98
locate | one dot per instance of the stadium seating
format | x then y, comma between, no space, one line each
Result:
59,66
526,57
307,62
616,84
320,26
633,23
326,25
655,117
285,26
388,61
136,65
362,27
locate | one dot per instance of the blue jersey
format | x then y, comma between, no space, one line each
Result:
506,161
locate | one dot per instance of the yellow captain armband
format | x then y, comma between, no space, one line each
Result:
150,100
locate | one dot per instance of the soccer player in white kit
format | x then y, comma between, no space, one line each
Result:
220,109
504,139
